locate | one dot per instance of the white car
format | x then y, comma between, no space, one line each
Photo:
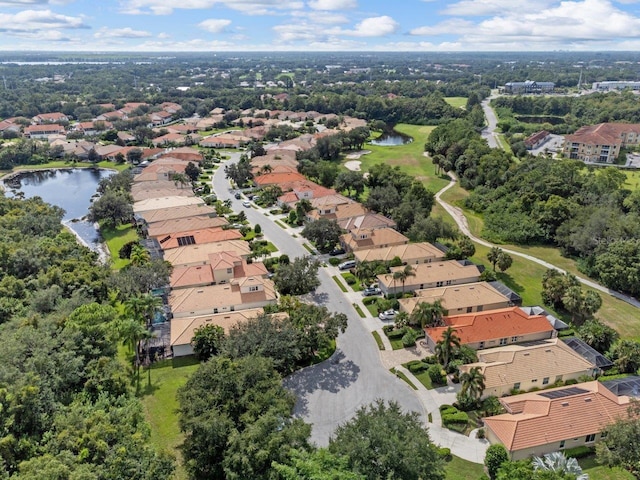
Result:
388,315
246,204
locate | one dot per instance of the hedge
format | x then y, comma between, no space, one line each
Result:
350,279
418,367
369,300
335,261
579,452
459,417
398,333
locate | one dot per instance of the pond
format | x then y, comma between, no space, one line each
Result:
391,139
70,189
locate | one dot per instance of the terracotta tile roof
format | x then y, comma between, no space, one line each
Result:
199,254
174,225
511,364
492,325
188,211
534,419
455,297
379,237
603,133
278,179
343,211
201,236
368,220
139,195
330,201
165,202
51,117
423,250
50,127
183,277
182,329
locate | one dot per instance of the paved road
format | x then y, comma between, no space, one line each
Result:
488,132
330,393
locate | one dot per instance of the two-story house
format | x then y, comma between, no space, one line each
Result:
430,275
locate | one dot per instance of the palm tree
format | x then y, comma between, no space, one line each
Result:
402,319
131,331
557,462
139,255
446,346
266,169
472,383
181,180
364,272
494,255
150,306
428,314
402,275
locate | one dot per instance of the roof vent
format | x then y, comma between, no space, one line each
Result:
587,399
565,404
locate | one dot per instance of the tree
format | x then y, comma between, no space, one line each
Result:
403,274
324,233
112,208
447,346
364,272
494,458
428,314
597,335
382,442
299,277
139,255
319,464
181,180
557,462
472,384
237,419
626,356
350,180
206,341
580,304
493,256
620,445
317,327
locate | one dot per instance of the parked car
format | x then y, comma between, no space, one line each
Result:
388,315
369,291
246,203
336,251
238,195
347,265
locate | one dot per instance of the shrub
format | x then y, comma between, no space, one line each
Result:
387,328
418,367
409,338
466,402
458,417
431,360
412,363
449,410
481,433
494,458
334,261
397,333
534,389
444,453
350,279
370,301
257,229
125,251
283,259
436,374
579,452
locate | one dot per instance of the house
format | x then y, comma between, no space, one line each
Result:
528,86
457,299
556,419
158,185
366,238
186,154
410,254
159,229
183,329
170,107
344,211
55,117
239,294
8,126
366,221
164,203
112,116
529,365
535,140
225,141
222,267
197,237
194,255
176,213
160,118
615,85
283,180
493,328
171,191
601,143
42,132
176,139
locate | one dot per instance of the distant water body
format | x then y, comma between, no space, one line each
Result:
70,189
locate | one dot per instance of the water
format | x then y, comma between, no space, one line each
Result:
70,189
391,139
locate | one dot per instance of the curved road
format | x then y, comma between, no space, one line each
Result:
330,393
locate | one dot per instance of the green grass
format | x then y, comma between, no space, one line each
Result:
402,376
396,343
356,287
376,335
115,240
359,310
342,287
409,157
161,405
373,309
424,378
600,472
309,249
458,102
66,164
459,469
280,224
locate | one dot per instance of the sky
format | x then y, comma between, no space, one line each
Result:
319,25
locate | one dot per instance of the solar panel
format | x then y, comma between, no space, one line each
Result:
566,392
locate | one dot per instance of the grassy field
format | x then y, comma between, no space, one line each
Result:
633,179
161,405
459,102
115,240
408,157
599,472
459,469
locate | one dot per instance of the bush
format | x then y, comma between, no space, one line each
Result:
257,229
418,367
283,259
481,433
125,251
447,409
334,261
579,452
436,374
387,328
458,417
571,381
369,301
350,279
409,338
444,453
397,333
431,360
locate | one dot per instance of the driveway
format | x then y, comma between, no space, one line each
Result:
330,393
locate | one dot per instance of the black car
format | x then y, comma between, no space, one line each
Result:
336,251
238,195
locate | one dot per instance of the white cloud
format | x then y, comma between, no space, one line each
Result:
214,25
452,26
322,18
249,7
38,20
296,32
332,4
467,8
126,32
32,3
370,27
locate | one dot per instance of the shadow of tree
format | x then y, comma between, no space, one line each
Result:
510,282
332,375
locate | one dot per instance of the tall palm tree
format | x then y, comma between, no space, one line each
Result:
447,346
557,462
131,331
180,180
150,306
428,314
494,255
364,272
402,275
139,256
472,383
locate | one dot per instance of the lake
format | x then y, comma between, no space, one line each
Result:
70,189
391,139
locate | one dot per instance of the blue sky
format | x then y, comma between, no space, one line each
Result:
319,25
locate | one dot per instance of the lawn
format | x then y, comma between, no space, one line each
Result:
459,469
160,404
600,472
115,240
458,102
376,336
65,164
410,157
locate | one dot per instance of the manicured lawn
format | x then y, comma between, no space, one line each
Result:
424,378
65,164
115,240
340,284
161,405
359,310
402,376
409,157
373,309
459,102
376,335
459,469
633,179
600,472
356,287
